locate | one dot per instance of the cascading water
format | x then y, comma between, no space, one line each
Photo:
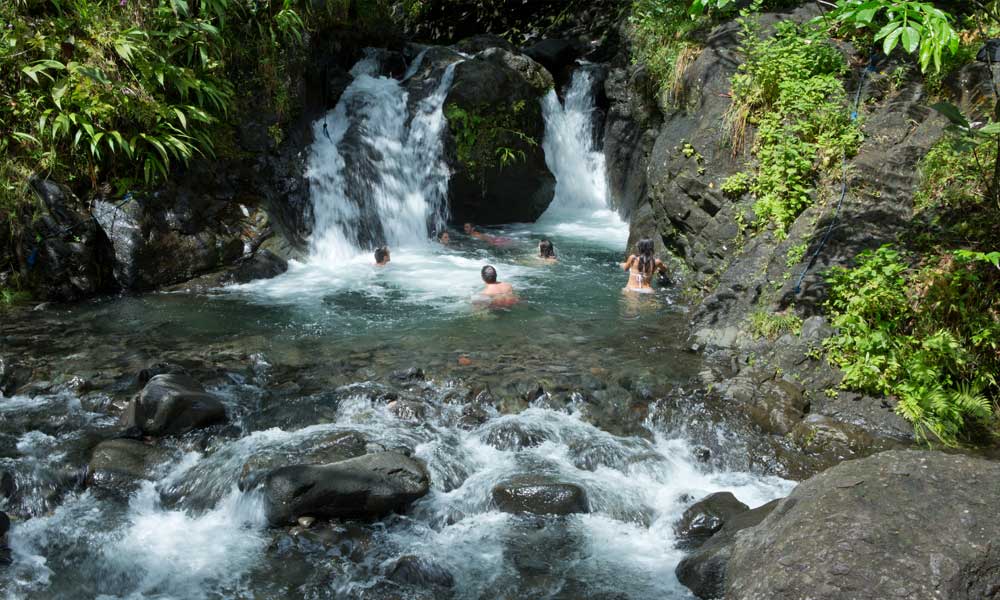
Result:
580,206
376,175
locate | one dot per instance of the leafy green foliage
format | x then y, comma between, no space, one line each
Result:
737,184
764,324
916,27
789,87
662,32
488,137
928,336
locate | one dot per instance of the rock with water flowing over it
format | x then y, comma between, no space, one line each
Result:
540,497
172,404
900,524
369,486
118,465
707,516
419,572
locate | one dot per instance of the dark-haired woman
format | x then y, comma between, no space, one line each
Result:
382,256
642,266
546,251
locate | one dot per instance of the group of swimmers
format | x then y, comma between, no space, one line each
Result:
642,266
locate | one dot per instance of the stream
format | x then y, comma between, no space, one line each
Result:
577,377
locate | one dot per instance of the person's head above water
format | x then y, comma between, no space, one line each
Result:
468,228
444,238
382,255
546,249
489,274
645,249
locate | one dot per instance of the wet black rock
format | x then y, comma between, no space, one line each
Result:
336,447
8,486
369,486
473,415
172,405
706,517
408,410
419,572
704,571
502,90
899,524
65,262
512,435
263,264
118,465
540,497
4,524
557,55
411,374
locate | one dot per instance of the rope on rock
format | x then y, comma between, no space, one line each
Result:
843,186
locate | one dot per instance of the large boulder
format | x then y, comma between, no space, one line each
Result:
495,130
368,486
172,404
540,497
64,264
900,524
118,465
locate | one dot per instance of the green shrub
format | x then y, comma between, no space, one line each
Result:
764,324
487,137
955,177
789,87
662,39
927,336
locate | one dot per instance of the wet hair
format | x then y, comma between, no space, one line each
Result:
444,235
380,254
646,260
468,226
546,249
489,274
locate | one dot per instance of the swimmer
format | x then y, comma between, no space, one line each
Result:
499,294
444,238
381,256
547,251
470,231
642,267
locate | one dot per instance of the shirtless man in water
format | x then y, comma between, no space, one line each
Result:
499,293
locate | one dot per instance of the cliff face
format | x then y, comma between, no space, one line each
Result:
666,169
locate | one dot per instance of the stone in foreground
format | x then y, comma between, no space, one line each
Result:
365,487
540,497
899,524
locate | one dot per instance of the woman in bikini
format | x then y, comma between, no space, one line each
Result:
642,267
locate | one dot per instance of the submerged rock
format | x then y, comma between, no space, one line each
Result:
365,487
540,497
419,572
707,516
119,465
899,524
172,404
512,435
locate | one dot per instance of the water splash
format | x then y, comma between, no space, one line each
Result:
377,176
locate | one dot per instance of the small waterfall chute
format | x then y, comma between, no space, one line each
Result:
376,173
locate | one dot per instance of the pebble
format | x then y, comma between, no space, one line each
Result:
306,522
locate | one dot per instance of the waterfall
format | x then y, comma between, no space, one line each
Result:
580,206
376,175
